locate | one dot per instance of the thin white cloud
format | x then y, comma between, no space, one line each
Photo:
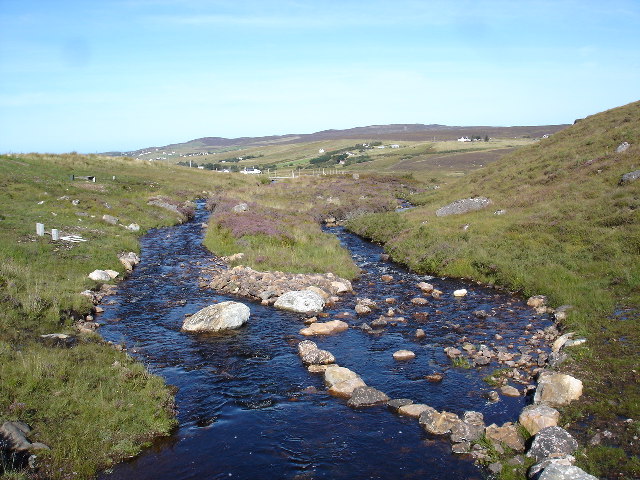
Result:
221,20
305,14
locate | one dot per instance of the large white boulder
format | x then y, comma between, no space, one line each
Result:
536,417
341,286
129,260
335,374
557,389
342,381
300,301
100,276
550,442
312,355
218,317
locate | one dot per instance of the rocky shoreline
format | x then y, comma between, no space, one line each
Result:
550,446
268,287
535,435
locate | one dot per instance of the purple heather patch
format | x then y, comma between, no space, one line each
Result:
255,220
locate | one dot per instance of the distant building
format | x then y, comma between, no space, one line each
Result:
464,139
321,150
395,145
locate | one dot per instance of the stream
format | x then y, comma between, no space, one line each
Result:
249,409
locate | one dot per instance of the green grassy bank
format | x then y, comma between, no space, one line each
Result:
569,230
91,404
280,228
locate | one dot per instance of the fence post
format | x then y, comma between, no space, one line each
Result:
40,229
54,234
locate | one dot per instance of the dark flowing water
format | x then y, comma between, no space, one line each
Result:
249,409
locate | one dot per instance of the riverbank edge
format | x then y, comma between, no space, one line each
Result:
492,454
509,470
153,411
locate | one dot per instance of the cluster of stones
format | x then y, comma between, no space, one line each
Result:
128,259
268,287
522,365
87,324
365,306
530,360
340,381
551,446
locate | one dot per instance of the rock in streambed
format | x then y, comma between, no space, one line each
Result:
300,301
218,317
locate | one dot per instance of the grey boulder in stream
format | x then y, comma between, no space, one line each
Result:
219,317
300,301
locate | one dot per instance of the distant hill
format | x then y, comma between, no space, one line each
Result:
398,132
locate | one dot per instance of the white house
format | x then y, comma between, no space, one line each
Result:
464,139
395,145
321,150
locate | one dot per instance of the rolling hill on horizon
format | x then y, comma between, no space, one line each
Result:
397,132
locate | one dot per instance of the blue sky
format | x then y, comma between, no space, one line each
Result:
94,76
